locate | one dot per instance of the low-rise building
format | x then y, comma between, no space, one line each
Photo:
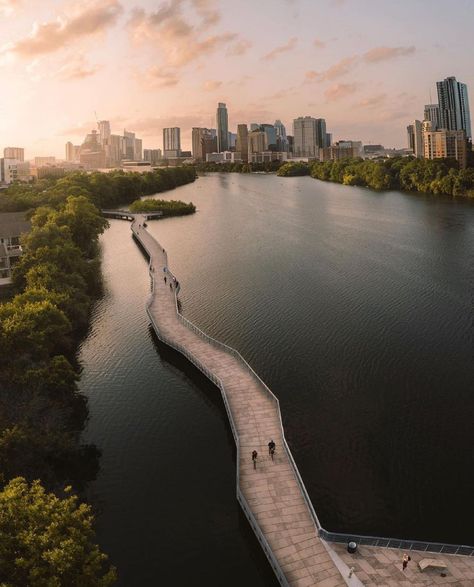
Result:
446,144
341,150
12,226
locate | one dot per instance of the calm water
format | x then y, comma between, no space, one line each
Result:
355,307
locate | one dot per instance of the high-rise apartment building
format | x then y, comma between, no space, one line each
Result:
137,150
129,145
305,130
202,141
282,141
271,135
222,121
442,144
415,138
17,153
152,155
242,142
257,142
171,142
72,152
92,154
454,106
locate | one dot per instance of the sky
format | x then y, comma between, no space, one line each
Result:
366,66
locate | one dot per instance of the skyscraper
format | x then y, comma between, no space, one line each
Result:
454,105
222,128
171,142
199,141
271,134
282,142
257,141
415,138
306,135
129,145
104,131
432,114
242,143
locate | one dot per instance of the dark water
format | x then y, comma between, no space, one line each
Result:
355,307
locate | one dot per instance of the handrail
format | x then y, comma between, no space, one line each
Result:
323,533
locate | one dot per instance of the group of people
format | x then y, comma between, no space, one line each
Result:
271,452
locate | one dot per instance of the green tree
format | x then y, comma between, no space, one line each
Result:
47,541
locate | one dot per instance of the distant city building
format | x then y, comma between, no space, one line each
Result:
271,135
268,156
50,171
341,150
328,139
41,161
232,140
92,155
415,138
442,144
257,142
254,126
309,136
431,113
454,106
200,141
222,122
104,131
12,170
291,143
115,150
153,156
17,153
242,142
138,150
172,142
129,145
72,152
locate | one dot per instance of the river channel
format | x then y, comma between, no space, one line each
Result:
357,310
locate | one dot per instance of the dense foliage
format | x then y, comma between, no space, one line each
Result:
105,190
439,176
291,169
168,207
47,541
269,166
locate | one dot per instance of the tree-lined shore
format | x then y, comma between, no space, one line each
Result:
42,413
439,176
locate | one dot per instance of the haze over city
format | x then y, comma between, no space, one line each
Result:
365,66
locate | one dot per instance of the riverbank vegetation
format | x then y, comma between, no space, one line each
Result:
168,207
439,176
104,190
268,167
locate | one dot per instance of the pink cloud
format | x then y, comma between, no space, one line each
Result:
289,46
385,53
161,78
239,48
51,36
339,69
8,6
211,85
373,101
319,44
339,91
77,69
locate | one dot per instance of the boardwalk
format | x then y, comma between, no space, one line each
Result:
272,495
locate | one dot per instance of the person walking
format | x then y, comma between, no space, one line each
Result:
164,278
271,448
406,560
254,458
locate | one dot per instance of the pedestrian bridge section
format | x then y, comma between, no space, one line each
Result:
272,495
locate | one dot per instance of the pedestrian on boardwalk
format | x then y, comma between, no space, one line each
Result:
164,278
406,560
271,448
171,286
254,458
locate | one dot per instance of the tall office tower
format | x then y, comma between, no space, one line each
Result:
92,153
242,142
271,136
291,143
171,142
431,113
222,128
17,153
129,145
321,133
257,141
282,142
202,141
415,138
70,151
137,150
104,131
454,106
232,140
307,137
328,139
442,144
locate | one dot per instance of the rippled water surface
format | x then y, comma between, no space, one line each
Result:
355,307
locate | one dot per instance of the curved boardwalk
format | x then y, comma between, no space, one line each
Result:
272,496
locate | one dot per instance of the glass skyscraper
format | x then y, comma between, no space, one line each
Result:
222,128
454,106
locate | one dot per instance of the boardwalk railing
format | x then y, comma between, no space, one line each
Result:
326,535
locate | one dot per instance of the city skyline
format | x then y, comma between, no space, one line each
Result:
147,66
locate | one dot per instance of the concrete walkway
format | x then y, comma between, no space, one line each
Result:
271,495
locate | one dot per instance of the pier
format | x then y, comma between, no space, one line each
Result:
272,495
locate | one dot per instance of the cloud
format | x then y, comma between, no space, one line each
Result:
77,69
239,48
8,6
339,69
384,53
289,46
179,42
50,36
339,91
319,44
161,78
211,85
372,101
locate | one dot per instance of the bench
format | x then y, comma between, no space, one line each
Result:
432,562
